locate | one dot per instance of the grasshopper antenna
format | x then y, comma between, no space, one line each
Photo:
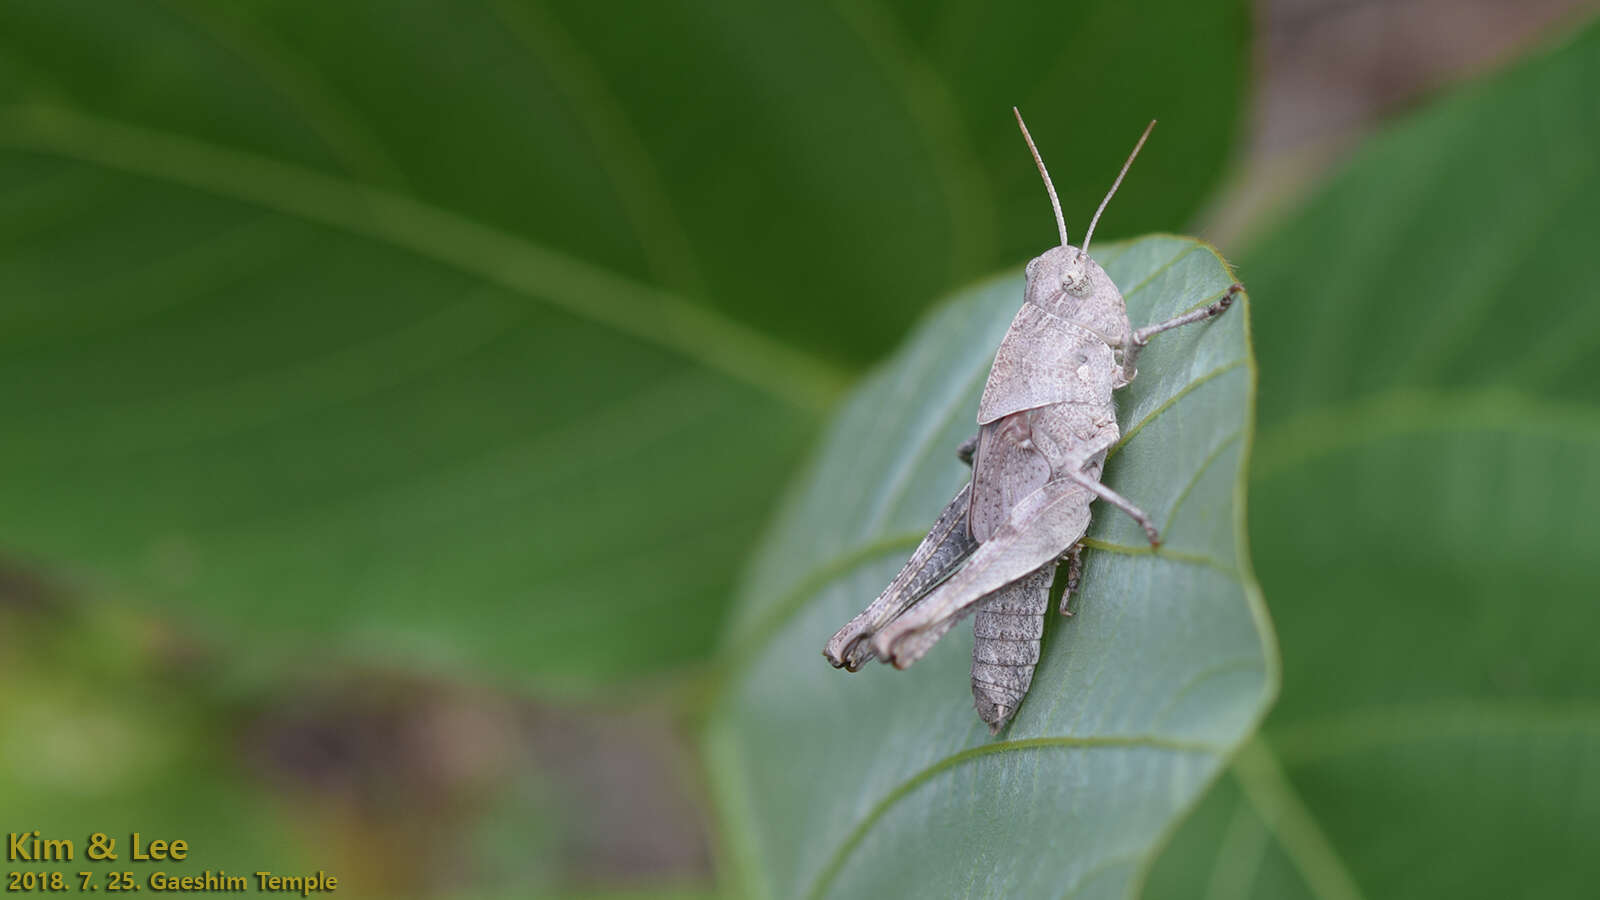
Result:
1114,185
1061,222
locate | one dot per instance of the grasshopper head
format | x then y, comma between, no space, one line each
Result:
1067,270
1064,280
1065,274
1071,285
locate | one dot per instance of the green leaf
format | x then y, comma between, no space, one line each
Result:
886,783
1422,515
488,333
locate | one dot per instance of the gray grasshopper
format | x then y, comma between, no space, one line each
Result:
1045,425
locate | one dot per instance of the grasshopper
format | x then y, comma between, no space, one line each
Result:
1045,424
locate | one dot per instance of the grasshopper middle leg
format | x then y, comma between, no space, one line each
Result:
1074,560
966,449
1120,502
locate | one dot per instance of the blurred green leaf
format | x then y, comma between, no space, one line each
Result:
1137,700
486,333
1422,514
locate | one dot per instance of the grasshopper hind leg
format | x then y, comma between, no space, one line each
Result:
1007,626
947,546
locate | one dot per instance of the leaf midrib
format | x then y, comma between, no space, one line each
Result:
1270,795
640,311
1294,441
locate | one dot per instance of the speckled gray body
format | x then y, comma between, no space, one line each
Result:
1047,411
1045,424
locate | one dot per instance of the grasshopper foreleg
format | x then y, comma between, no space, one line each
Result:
1130,355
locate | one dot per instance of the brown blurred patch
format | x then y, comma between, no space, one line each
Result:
1329,71
1334,67
28,589
427,788
625,778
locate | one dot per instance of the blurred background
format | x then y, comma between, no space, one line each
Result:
394,391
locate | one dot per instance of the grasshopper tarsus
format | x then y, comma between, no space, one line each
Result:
1225,301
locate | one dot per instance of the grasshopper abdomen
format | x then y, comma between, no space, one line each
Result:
1005,649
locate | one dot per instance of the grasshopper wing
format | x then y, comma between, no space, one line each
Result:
1007,468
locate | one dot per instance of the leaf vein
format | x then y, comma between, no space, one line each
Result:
1200,470
928,99
357,147
1336,734
1145,741
1170,401
1269,792
618,147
